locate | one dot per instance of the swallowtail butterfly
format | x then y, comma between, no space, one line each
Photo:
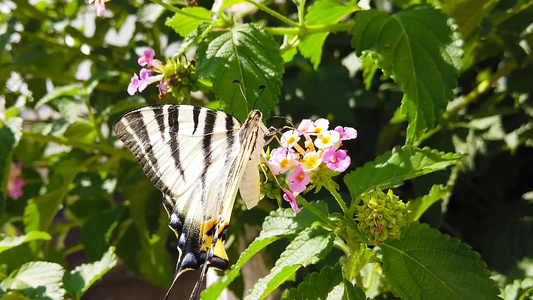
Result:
198,158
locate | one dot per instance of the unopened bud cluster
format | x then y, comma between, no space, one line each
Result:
381,216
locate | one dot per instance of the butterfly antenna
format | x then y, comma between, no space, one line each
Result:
262,88
242,92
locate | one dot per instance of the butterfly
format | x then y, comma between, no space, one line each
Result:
198,158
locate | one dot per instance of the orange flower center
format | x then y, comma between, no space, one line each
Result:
291,140
333,159
301,176
284,163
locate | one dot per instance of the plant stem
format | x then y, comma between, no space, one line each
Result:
337,197
93,120
303,31
274,13
179,11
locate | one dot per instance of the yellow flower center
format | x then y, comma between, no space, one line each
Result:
325,140
284,163
291,140
318,130
310,162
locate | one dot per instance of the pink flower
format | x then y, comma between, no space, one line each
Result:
336,160
305,125
146,57
280,161
289,138
163,88
146,79
346,133
134,85
14,182
298,180
291,198
100,7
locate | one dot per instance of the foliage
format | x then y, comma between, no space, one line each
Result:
439,92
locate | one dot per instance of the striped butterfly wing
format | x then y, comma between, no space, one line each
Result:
197,158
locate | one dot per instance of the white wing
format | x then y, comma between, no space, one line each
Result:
196,157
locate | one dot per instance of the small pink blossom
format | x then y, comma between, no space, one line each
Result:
290,138
346,133
100,7
336,160
14,182
327,139
305,125
163,88
298,180
146,58
280,160
291,198
134,84
148,80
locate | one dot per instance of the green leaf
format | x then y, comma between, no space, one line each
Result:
424,263
196,36
186,22
322,12
421,204
80,131
356,261
468,14
419,50
285,222
326,285
66,90
394,167
79,280
518,289
245,53
280,223
8,242
310,246
38,280
214,291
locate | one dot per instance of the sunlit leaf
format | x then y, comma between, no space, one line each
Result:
419,50
248,54
8,242
310,246
188,20
38,280
82,277
424,263
394,167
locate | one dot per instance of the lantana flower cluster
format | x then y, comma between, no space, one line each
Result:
175,75
381,216
320,157
15,182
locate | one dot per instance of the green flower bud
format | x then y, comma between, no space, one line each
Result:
381,215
